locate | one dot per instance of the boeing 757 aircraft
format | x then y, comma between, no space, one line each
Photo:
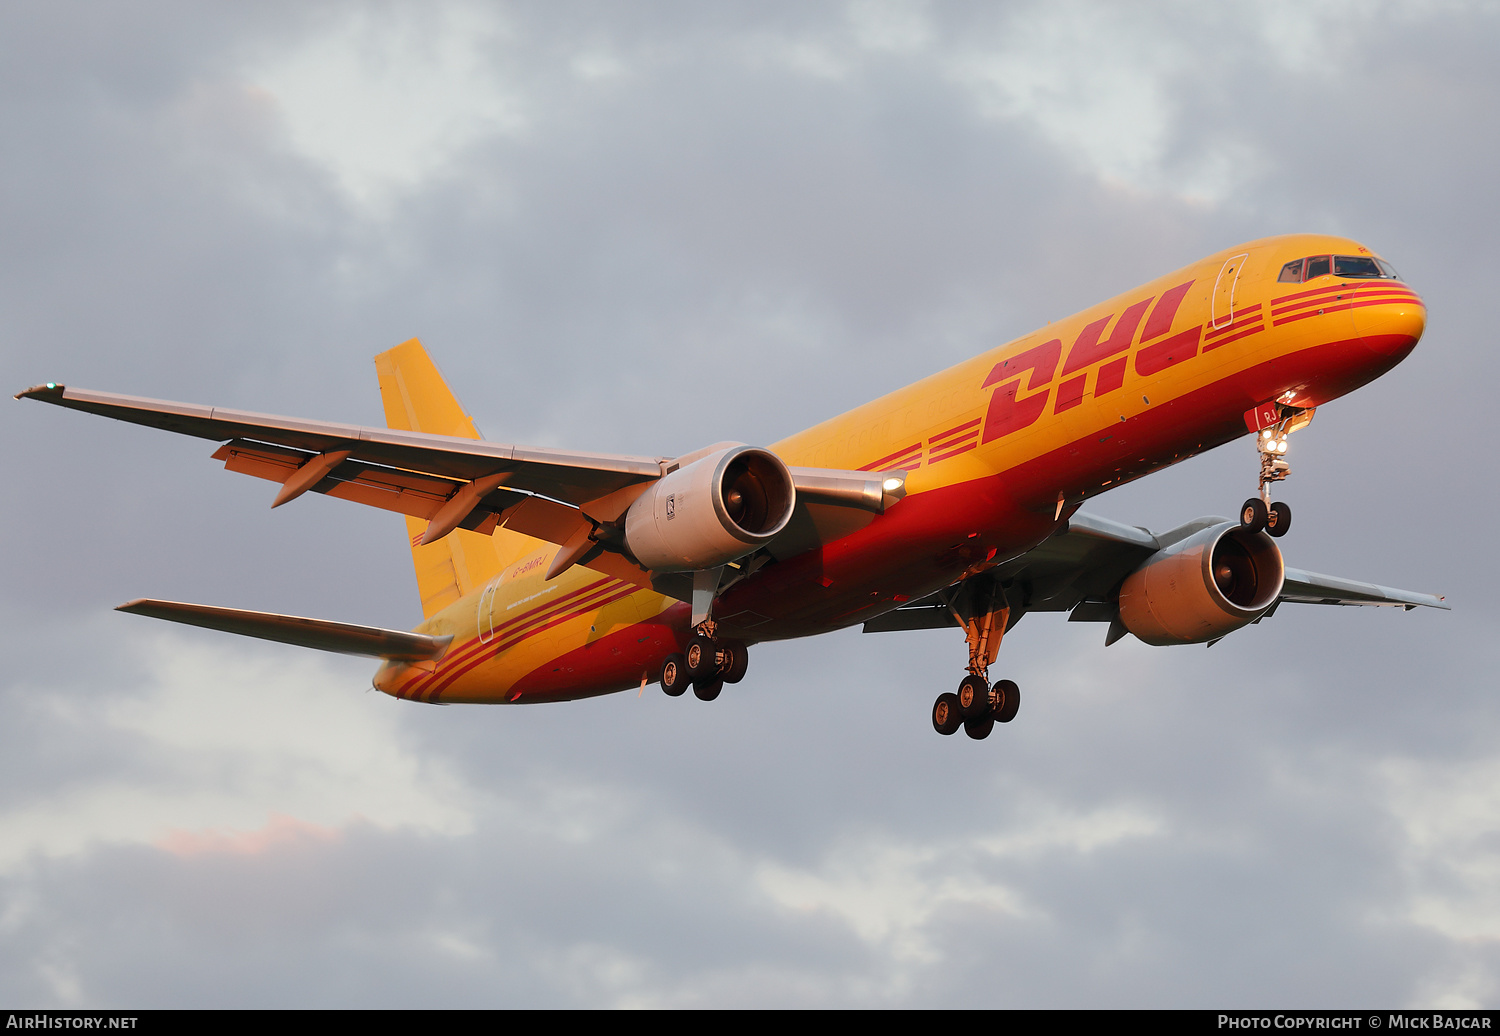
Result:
548,575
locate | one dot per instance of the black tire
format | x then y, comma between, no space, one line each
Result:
674,677
1253,514
736,660
1279,519
973,697
702,657
1010,701
708,690
945,714
979,727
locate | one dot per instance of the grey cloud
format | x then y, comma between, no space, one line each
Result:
716,241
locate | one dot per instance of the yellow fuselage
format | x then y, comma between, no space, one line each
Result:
998,450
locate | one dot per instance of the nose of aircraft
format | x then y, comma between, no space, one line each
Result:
1391,329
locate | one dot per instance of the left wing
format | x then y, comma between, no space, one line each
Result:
1077,568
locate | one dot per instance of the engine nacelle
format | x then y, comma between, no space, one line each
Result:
718,508
1202,587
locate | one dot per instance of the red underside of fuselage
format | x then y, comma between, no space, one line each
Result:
614,662
928,540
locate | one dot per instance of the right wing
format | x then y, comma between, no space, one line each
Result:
452,482
573,478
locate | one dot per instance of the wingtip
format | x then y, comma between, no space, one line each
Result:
52,389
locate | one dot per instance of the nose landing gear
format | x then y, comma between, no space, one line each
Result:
980,606
1259,512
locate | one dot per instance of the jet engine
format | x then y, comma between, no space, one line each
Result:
711,511
1206,585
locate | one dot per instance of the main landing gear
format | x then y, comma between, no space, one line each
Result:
1259,512
707,664
979,605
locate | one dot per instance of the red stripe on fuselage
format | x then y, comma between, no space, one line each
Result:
435,684
476,645
1256,329
900,455
1243,317
557,620
1342,286
1336,307
954,453
1302,300
941,440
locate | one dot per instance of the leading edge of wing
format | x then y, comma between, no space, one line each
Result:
346,638
574,477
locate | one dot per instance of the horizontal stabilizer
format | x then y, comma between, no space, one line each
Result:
346,638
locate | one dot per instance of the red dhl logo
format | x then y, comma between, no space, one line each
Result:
1009,412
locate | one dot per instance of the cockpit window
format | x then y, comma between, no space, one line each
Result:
1355,267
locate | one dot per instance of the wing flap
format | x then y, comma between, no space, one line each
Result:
922,617
345,638
390,489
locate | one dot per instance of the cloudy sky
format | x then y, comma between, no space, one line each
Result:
643,228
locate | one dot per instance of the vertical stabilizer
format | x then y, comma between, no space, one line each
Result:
418,400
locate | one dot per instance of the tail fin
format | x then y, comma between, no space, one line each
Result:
416,397
418,400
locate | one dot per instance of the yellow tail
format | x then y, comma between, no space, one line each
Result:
418,400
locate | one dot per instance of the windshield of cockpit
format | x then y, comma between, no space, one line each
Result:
1354,267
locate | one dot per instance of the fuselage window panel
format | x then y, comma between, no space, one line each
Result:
1317,266
1291,273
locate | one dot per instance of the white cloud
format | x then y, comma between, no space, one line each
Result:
1450,817
235,752
889,893
896,26
1088,80
384,103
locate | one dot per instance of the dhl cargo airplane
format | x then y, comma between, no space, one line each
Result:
548,575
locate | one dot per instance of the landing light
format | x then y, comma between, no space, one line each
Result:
890,485
1281,446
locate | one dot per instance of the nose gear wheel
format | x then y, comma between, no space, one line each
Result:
1259,512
